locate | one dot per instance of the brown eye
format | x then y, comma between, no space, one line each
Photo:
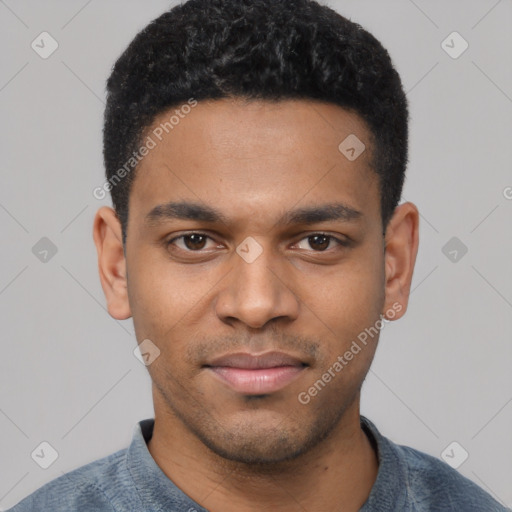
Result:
194,242
191,242
320,242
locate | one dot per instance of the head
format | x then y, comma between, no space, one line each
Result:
264,147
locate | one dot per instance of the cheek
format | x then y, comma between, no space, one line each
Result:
353,291
348,303
155,298
165,297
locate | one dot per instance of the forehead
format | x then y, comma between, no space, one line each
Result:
257,158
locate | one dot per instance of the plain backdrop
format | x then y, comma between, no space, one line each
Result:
68,375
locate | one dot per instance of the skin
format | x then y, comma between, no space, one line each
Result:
196,300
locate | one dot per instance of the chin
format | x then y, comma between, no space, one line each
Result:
258,450
259,445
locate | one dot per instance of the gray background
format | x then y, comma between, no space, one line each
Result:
68,373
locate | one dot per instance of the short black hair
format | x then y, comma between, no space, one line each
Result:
254,49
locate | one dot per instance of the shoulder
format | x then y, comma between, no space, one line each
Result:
94,486
434,485
411,480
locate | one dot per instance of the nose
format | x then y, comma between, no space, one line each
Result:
256,292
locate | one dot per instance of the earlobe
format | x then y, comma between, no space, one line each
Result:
107,236
402,240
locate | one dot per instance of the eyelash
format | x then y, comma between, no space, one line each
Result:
342,243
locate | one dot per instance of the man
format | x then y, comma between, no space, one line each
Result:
255,152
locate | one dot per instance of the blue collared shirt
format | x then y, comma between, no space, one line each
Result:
131,481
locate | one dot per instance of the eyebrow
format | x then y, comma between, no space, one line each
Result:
185,210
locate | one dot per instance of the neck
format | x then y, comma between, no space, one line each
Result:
337,474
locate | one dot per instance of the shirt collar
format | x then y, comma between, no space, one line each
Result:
389,491
152,484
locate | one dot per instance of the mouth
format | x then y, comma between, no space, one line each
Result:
252,374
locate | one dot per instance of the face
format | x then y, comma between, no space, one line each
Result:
255,259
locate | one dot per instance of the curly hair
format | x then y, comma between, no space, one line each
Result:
255,49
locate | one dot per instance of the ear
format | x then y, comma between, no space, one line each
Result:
107,236
402,239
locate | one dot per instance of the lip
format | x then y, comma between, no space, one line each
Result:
256,374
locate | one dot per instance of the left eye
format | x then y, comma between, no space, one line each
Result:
320,242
